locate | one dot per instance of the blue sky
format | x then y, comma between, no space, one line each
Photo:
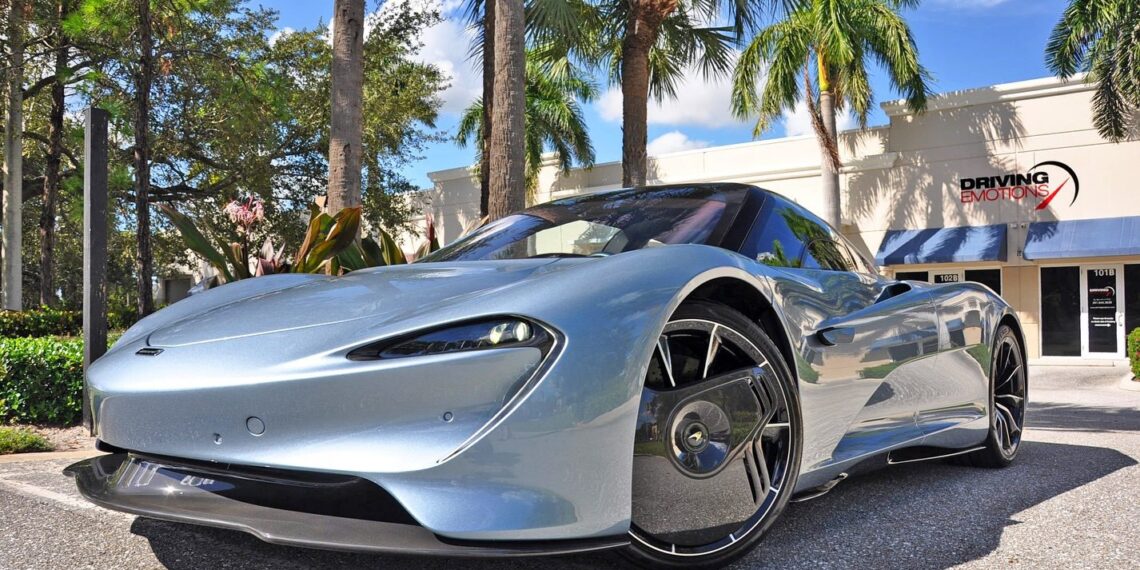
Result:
964,43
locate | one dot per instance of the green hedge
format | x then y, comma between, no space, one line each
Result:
40,322
1134,351
41,380
54,322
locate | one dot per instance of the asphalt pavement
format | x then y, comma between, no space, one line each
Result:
1072,500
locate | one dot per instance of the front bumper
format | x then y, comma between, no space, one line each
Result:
333,512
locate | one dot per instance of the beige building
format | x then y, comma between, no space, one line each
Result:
1009,185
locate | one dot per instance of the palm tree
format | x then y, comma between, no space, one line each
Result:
553,117
1102,37
346,128
647,45
819,53
506,169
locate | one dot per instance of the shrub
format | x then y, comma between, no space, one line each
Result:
40,322
55,322
41,380
20,440
1134,351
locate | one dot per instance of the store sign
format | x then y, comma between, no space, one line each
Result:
1038,186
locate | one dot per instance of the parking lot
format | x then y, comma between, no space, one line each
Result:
1071,500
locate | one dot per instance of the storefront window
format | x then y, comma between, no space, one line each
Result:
911,276
989,277
1131,298
1061,311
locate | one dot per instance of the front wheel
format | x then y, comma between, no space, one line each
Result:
1009,386
718,441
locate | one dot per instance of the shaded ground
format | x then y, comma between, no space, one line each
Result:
1071,500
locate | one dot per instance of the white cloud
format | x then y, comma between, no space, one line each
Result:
446,45
699,101
280,34
797,122
970,4
673,141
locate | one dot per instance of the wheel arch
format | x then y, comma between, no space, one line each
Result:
1014,324
752,303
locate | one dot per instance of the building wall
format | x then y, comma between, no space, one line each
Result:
905,175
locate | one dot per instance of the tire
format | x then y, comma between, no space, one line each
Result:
760,468
1009,387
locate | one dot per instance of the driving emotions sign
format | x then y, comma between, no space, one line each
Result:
1036,187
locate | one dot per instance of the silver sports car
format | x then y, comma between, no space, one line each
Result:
658,370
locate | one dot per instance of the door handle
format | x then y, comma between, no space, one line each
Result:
832,336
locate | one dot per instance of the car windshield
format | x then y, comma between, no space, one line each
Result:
597,225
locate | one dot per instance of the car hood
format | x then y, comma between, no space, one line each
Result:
383,295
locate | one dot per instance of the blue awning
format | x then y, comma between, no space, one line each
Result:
943,245
1083,238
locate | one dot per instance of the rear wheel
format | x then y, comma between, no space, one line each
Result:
718,441
1009,385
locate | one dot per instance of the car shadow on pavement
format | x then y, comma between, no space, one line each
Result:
922,515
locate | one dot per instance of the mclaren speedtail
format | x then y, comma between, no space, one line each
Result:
656,370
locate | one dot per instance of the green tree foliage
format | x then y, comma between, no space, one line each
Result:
231,114
553,119
1102,38
819,53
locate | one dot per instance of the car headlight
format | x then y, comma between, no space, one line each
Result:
506,332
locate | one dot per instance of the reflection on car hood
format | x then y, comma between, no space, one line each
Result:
384,295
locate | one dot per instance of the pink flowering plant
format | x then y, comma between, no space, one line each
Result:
332,244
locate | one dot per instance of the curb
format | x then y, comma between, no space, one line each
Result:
49,456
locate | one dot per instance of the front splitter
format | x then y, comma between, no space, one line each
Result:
166,489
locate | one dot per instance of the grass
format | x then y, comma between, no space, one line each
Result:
20,440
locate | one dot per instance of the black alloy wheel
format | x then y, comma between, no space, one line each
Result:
718,441
1009,386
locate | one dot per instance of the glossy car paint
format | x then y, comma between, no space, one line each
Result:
535,448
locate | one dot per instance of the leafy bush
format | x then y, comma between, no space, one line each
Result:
41,380
1134,351
40,322
55,322
20,440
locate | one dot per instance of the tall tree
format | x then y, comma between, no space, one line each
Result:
819,54
647,46
488,37
507,176
144,258
13,271
553,118
347,104
1102,38
54,159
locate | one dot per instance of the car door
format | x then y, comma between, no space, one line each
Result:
863,342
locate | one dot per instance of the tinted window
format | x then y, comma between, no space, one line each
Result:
912,275
827,254
1061,311
780,233
1131,297
607,223
989,277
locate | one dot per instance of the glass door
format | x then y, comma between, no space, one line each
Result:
1102,313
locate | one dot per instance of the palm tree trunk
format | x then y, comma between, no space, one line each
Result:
347,103
52,164
640,35
488,96
12,284
507,161
828,147
143,259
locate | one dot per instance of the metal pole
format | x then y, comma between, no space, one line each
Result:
94,245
